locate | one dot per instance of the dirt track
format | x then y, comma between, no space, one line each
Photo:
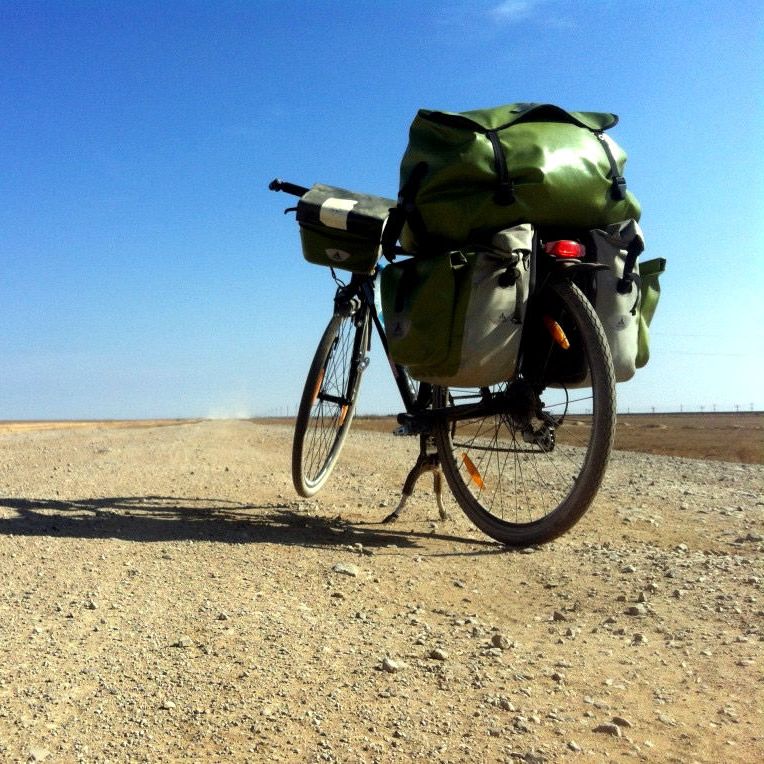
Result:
166,597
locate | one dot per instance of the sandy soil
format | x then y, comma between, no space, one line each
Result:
166,597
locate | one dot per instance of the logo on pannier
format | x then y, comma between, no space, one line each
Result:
400,328
338,255
502,318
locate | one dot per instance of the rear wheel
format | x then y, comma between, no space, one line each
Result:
525,458
328,400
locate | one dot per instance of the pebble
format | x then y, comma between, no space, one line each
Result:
638,609
167,705
392,666
346,569
609,729
500,641
439,654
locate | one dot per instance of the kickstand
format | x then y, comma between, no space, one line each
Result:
426,462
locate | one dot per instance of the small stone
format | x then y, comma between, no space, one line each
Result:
628,569
609,729
223,616
558,616
639,639
574,746
346,569
500,641
638,609
91,605
38,754
183,642
392,666
621,722
439,654
167,705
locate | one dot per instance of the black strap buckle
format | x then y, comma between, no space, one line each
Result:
618,190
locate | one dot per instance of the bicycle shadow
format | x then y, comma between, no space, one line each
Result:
166,519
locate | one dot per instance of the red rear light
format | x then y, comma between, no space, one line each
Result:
565,248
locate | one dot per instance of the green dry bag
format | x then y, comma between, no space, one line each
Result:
467,175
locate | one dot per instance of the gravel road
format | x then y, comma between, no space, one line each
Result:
166,597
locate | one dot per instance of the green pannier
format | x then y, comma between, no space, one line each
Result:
625,295
650,292
342,229
455,319
616,299
467,175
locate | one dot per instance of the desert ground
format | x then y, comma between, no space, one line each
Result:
167,597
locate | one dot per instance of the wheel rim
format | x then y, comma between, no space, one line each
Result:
519,472
331,409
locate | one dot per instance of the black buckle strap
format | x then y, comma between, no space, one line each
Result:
617,181
505,193
618,188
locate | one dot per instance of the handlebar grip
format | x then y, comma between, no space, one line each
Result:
289,188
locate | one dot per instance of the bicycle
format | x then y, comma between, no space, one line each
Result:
521,458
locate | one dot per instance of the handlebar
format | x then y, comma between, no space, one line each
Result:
289,188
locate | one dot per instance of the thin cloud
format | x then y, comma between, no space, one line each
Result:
511,11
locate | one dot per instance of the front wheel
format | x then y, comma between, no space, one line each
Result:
525,458
328,400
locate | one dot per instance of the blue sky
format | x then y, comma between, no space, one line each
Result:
147,271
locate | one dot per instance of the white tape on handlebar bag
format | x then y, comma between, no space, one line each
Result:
334,212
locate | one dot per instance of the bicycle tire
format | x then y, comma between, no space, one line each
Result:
328,401
526,483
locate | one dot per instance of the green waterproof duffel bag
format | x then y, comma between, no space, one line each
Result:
342,229
467,175
455,319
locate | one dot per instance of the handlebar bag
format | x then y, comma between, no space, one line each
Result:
342,229
464,174
455,319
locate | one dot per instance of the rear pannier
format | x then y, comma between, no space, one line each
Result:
456,319
342,229
626,295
